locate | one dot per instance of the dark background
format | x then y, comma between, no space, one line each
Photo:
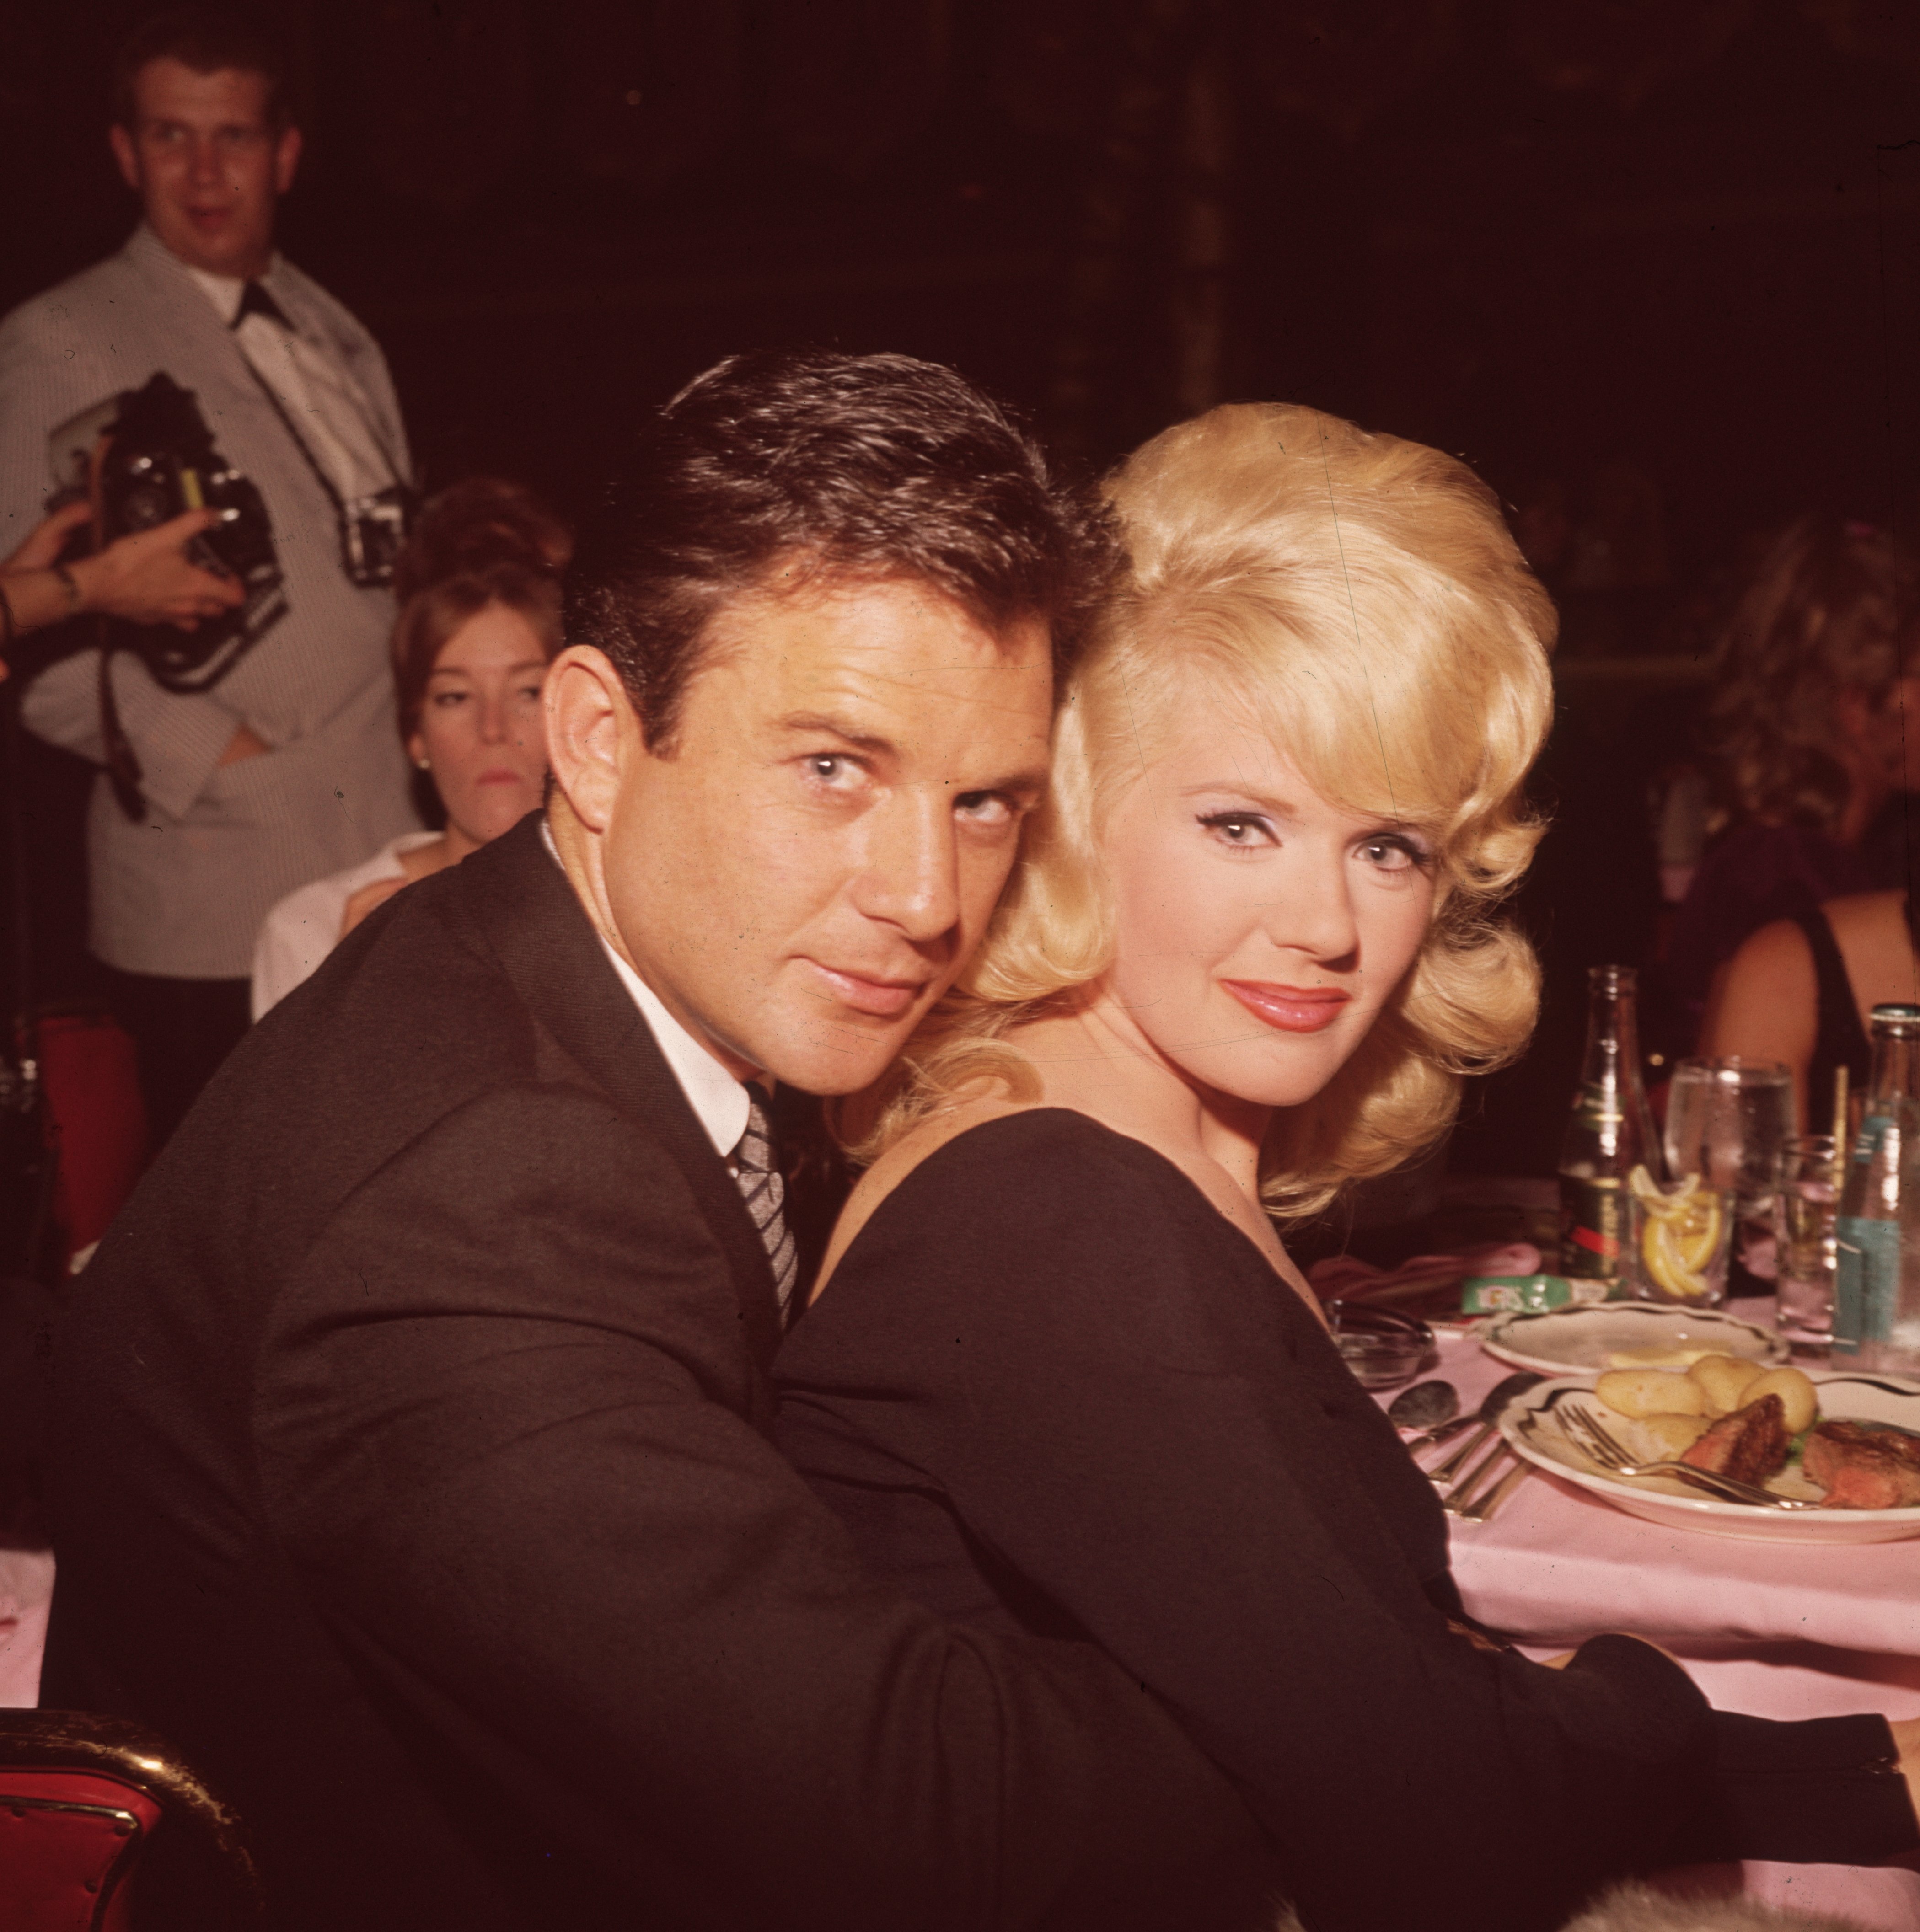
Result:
1650,266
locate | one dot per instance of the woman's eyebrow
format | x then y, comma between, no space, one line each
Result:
1264,801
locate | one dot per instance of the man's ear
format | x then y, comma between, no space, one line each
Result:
286,159
593,732
126,153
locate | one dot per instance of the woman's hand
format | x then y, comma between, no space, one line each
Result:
367,898
147,578
1906,1738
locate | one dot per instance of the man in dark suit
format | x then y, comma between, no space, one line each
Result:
409,1469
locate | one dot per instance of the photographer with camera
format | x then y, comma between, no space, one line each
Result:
146,578
259,751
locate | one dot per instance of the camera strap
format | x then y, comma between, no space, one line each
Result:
313,462
123,762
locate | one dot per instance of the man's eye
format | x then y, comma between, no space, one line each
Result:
986,808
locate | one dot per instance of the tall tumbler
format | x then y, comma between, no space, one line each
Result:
1808,1202
1728,1120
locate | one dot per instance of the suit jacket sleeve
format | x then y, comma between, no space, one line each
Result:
498,1456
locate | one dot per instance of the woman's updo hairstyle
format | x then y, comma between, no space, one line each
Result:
1359,600
481,542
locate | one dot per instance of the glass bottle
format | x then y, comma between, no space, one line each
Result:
1610,1133
1876,1276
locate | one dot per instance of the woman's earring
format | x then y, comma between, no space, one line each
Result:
424,765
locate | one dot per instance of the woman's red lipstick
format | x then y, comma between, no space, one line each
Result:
1292,1009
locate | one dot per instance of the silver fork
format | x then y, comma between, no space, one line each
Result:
1591,1436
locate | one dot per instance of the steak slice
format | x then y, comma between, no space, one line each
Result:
1863,1467
1750,1444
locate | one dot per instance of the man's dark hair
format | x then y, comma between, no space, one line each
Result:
859,467
206,39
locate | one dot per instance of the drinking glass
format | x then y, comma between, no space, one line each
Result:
1677,1244
1728,1120
1808,1200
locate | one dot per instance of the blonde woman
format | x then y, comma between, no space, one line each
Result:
1063,1377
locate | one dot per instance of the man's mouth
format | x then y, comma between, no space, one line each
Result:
1291,1009
884,997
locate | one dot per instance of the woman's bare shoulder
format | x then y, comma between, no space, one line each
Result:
926,1138
1866,915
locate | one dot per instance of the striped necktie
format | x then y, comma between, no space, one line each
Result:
764,1190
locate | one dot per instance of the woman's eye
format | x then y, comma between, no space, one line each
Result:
1242,829
444,700
1393,854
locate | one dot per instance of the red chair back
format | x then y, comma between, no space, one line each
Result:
68,1842
81,1795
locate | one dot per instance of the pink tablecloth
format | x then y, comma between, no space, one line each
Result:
1777,1630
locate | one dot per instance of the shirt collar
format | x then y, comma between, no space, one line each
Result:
224,291
719,1100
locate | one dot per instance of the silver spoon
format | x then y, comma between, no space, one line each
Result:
1497,1397
1425,1406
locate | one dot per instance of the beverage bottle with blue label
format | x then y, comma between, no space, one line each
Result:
1877,1286
1610,1134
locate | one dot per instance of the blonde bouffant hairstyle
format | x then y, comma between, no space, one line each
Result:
1359,600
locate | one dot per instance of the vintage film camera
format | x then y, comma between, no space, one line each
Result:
146,456
372,530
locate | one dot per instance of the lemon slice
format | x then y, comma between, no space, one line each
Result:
1660,1246
1699,1234
1666,1204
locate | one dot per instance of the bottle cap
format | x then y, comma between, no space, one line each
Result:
1896,1009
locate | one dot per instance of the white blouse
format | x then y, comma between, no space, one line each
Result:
304,927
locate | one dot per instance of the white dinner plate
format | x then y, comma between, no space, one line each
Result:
1578,1341
1528,1425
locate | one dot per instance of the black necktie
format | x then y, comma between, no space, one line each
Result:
764,1190
254,300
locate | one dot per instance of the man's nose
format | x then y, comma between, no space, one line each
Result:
203,164
912,876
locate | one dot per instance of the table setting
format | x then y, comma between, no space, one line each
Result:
1763,1608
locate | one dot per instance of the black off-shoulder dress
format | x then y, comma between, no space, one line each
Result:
1050,1389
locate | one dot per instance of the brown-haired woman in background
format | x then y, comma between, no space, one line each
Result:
1815,681
470,653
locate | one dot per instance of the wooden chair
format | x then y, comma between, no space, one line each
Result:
84,1801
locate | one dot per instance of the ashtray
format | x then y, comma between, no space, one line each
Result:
1381,1345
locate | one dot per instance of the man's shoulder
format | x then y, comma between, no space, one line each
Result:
97,289
340,320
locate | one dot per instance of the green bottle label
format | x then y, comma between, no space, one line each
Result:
1866,1287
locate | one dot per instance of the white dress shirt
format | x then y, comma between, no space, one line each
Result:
322,401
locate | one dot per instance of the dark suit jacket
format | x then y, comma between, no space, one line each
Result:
407,1470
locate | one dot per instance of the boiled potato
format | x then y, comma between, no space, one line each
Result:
1724,1377
1797,1396
1664,1439
1638,1392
